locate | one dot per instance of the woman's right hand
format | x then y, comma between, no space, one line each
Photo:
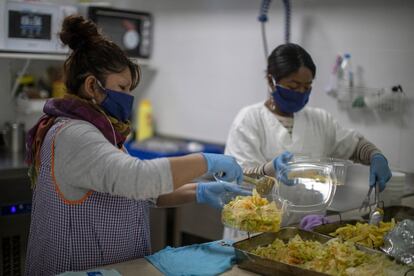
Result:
225,166
211,192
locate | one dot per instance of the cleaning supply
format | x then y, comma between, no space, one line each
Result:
144,129
347,71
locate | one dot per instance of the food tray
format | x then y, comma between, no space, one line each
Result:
257,264
397,212
328,228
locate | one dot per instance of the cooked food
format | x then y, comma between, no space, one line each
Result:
310,174
365,234
334,257
252,214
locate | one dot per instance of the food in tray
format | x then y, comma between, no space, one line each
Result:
365,234
252,214
333,257
310,174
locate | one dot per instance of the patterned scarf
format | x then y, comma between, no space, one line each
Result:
73,107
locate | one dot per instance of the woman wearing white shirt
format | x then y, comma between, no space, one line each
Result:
264,136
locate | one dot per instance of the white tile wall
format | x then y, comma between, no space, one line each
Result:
209,62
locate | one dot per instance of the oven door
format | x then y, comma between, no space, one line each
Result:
131,30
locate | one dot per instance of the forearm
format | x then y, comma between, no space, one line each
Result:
364,151
184,194
184,169
264,169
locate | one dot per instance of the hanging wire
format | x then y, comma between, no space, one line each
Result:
288,12
264,39
264,8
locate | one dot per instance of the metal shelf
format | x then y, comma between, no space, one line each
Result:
51,56
35,56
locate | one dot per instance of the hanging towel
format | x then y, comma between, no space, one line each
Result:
199,259
99,272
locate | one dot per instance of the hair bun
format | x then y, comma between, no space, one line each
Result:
77,31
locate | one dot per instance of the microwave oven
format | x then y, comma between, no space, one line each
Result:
131,30
32,26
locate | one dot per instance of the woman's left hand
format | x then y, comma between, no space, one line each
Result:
225,166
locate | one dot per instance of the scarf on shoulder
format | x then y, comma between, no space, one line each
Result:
73,107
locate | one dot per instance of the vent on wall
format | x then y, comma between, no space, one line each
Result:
11,257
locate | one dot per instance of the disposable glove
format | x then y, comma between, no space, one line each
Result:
379,171
213,193
279,163
311,221
225,166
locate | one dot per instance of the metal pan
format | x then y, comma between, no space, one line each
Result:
397,212
263,266
326,229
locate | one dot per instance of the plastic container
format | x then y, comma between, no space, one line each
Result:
145,121
339,166
309,187
259,212
253,214
347,79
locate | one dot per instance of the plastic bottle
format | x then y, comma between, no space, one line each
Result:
144,130
347,71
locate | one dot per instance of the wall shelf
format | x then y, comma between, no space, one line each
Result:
51,56
34,56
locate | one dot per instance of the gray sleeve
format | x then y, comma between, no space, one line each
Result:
85,160
364,151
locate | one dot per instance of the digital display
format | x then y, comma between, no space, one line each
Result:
29,25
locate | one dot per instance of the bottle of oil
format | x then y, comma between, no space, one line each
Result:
144,129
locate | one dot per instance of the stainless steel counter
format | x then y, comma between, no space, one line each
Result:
12,165
143,267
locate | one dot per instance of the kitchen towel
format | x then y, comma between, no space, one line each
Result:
199,259
99,272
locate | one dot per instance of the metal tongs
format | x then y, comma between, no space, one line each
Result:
263,183
365,204
377,215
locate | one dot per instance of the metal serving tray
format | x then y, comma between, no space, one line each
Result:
263,266
328,228
397,212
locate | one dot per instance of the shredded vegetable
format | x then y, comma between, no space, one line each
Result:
365,234
334,257
252,214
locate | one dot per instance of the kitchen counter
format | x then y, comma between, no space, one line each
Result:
143,267
12,165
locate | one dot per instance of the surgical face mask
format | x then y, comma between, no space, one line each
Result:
117,104
288,100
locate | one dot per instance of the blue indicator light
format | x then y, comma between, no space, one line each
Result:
13,209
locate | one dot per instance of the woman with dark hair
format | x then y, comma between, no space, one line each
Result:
91,199
264,136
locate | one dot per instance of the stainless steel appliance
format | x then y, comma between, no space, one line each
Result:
32,26
131,30
15,207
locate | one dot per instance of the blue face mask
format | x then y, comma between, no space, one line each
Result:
117,104
288,100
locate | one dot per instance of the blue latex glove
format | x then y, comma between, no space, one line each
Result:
311,221
212,193
379,171
225,166
279,163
